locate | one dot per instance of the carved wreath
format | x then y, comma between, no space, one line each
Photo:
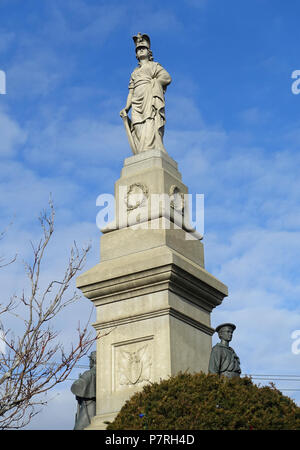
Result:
135,190
176,198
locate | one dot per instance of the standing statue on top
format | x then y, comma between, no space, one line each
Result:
223,359
146,99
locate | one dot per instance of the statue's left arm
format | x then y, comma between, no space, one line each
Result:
162,76
85,386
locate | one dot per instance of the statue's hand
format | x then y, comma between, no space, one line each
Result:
123,113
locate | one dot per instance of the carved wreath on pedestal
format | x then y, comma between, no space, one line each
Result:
176,198
137,195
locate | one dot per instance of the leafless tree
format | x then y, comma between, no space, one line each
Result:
4,263
34,361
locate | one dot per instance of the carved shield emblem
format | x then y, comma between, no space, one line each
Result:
134,366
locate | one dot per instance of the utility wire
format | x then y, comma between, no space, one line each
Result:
258,377
270,375
252,375
280,389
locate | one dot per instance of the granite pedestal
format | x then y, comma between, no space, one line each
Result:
151,291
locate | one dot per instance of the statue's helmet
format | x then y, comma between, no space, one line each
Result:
141,40
231,325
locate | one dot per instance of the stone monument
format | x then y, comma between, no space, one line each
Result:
152,294
223,359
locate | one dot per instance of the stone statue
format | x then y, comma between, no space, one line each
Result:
85,390
223,359
146,98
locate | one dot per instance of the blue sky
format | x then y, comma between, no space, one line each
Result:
232,126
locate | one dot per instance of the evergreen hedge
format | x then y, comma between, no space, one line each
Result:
207,402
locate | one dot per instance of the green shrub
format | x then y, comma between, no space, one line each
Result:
207,402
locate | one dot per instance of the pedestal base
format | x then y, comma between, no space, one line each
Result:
100,422
153,318
151,291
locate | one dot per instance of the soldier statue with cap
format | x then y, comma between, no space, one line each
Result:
85,390
223,359
146,99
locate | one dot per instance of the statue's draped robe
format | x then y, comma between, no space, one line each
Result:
85,390
149,83
224,361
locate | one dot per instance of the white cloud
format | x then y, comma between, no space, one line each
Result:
79,22
254,116
34,72
59,413
11,135
260,268
6,38
183,113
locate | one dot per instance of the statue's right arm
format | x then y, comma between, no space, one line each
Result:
125,110
214,361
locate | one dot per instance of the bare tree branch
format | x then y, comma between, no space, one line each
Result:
35,361
2,264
